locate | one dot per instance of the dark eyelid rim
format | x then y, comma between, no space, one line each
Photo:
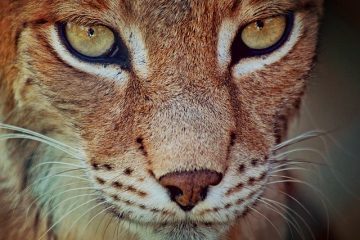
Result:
118,54
239,50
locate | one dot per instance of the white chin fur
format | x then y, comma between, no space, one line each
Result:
107,71
181,231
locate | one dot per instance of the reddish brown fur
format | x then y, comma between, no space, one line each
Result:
36,91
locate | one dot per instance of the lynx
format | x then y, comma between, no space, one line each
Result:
156,119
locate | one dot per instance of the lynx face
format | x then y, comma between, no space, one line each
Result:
168,112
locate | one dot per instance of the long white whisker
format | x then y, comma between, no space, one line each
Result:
35,134
52,176
82,215
284,154
289,222
63,217
59,163
93,218
267,219
286,208
47,192
292,169
34,138
300,138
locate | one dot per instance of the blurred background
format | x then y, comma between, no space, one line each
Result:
332,104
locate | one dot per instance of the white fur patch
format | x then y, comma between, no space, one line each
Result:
226,36
138,50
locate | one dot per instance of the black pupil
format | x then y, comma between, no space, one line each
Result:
91,32
260,24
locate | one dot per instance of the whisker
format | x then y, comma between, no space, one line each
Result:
82,215
295,200
286,153
289,222
294,180
267,219
47,192
59,163
49,211
291,169
303,137
27,189
286,208
93,218
64,216
35,134
34,138
63,192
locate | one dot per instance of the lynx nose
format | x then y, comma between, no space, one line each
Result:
188,188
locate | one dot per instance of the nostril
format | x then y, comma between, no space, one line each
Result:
203,193
174,192
189,188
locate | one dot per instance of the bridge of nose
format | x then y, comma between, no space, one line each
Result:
186,135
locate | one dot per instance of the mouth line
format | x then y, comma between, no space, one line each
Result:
113,210
121,216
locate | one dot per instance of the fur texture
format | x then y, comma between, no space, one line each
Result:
181,107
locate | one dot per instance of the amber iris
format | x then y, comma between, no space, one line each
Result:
90,41
264,33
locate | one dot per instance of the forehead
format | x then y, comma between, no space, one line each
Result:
173,11
159,15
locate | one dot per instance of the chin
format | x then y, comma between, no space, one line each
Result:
181,231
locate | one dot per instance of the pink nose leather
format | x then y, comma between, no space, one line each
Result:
189,188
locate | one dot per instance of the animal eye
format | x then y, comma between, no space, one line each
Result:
262,36
91,41
94,43
264,33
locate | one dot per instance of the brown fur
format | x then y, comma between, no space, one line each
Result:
181,117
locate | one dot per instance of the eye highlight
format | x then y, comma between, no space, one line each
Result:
91,41
264,33
94,44
262,36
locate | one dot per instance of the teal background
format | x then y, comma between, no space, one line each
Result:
332,104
